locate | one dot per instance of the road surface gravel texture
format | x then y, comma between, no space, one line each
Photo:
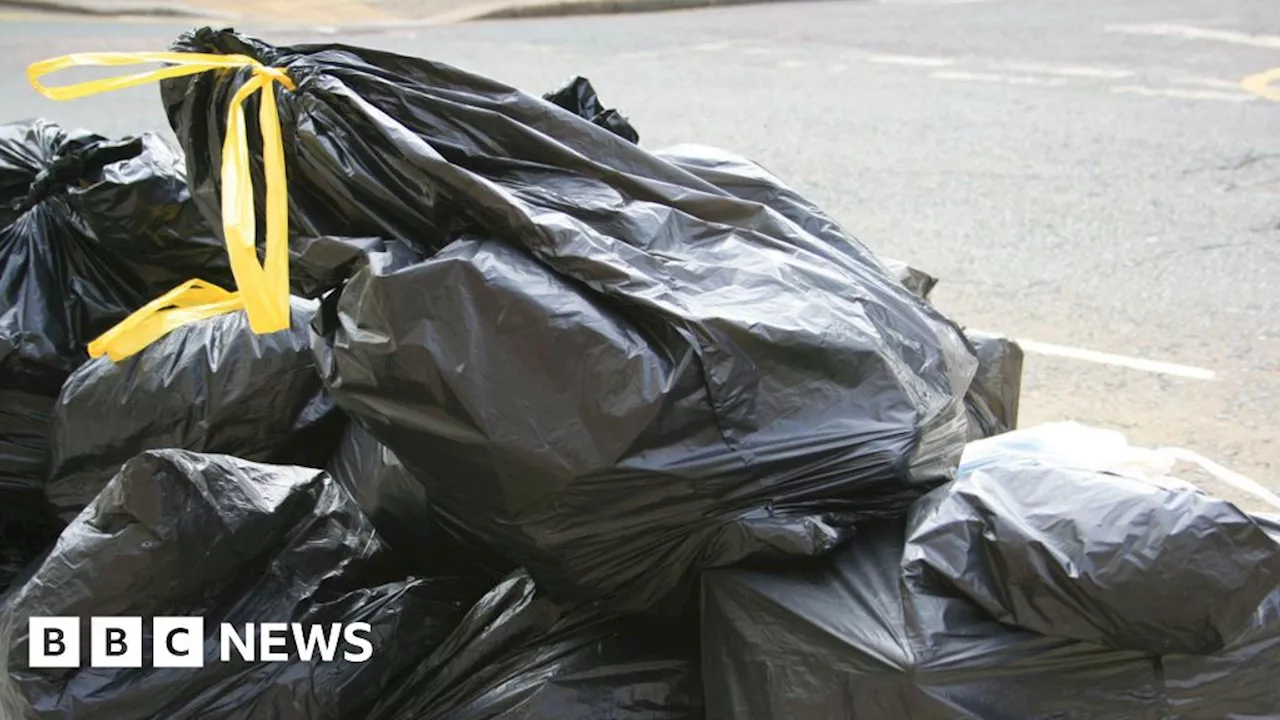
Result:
1088,175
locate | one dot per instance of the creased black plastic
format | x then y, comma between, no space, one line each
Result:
180,533
97,228
748,180
855,637
90,229
520,656
580,98
211,386
27,527
609,369
847,640
395,503
992,401
1121,560
914,279
140,209
421,536
320,264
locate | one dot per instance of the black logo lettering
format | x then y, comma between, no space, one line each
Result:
169,642
115,638
53,637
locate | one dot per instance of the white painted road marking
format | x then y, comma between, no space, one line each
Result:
1187,32
1185,94
912,60
997,78
1133,363
1265,85
1208,82
1068,70
1226,475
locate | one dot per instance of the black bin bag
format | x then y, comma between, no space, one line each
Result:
859,636
420,536
90,230
1120,559
610,370
992,401
211,386
852,640
184,534
519,655
395,503
748,180
849,640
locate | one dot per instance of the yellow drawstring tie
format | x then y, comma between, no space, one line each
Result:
262,289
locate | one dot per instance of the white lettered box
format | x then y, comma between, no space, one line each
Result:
115,642
53,642
177,642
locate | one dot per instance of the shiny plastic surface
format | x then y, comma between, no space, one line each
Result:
98,228
578,97
180,533
607,368
421,536
213,386
992,401
1120,559
520,656
90,229
857,637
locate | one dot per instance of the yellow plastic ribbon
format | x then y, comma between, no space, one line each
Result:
262,289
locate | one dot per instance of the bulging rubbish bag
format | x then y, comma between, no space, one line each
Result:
858,643
395,503
1120,559
861,641
610,370
183,534
90,229
421,537
211,386
750,181
518,655
991,403
865,634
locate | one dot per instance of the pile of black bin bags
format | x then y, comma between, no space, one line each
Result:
579,429
90,230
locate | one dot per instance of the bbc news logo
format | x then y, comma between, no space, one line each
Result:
179,642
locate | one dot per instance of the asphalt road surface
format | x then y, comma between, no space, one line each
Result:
1088,176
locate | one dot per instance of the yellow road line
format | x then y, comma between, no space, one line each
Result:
1260,84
